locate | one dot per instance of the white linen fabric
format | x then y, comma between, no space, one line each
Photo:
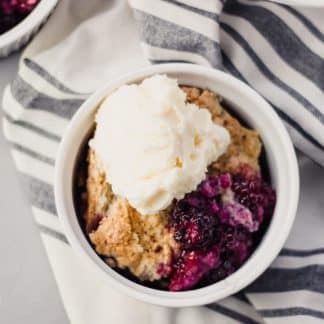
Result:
276,49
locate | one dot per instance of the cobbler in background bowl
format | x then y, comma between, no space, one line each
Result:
12,12
20,20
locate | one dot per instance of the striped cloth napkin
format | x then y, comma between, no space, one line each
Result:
276,49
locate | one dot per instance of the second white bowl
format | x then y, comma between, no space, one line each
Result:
19,35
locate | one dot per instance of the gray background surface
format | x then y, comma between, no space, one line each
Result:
28,292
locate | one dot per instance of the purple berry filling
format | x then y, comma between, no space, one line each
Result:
14,11
215,226
192,266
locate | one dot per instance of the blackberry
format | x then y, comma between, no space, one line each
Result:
194,222
252,192
192,266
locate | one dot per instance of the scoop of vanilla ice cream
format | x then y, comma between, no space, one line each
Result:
154,147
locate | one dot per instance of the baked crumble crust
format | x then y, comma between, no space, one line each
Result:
99,192
137,242
245,144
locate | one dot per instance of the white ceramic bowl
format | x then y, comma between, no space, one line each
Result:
281,159
20,34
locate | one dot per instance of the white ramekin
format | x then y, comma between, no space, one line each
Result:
19,35
281,159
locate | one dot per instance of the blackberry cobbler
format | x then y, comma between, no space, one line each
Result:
205,225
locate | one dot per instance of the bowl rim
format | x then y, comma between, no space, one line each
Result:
33,19
257,262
